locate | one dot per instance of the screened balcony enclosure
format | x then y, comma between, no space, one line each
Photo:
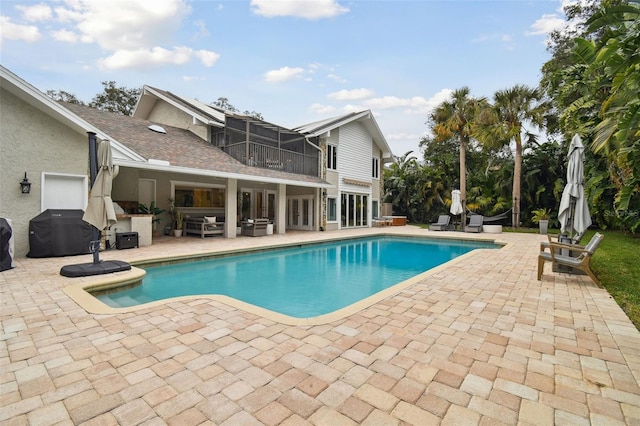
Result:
258,143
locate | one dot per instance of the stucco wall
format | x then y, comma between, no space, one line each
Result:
32,141
164,113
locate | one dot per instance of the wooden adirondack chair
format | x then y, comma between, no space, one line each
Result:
581,263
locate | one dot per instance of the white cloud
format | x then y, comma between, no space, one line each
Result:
308,9
546,24
202,29
134,33
386,102
190,78
11,31
36,13
283,74
413,105
506,38
322,109
65,36
336,78
353,108
350,95
157,56
124,24
65,15
207,57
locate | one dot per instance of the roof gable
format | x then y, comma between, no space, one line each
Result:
318,128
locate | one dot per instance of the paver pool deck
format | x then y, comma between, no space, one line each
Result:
479,341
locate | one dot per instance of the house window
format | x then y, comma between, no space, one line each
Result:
199,197
332,214
375,172
332,157
375,209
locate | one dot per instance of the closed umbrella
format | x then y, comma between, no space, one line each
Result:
456,204
574,213
100,212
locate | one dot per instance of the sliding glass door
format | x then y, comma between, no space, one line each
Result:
354,210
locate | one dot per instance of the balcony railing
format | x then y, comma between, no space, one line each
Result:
268,157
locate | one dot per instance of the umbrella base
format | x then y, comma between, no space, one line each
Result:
100,268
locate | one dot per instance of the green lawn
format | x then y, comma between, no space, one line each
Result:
616,264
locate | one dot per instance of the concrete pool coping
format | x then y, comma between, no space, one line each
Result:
480,342
81,293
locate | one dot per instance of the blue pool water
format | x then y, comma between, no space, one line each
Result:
301,282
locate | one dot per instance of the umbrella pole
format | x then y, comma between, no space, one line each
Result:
571,218
94,247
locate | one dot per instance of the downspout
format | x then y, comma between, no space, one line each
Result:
323,200
247,161
319,157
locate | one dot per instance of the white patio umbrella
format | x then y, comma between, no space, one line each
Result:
100,212
574,213
456,204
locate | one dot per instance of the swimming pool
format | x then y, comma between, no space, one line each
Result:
300,282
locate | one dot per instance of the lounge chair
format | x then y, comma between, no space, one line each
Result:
475,223
581,263
442,224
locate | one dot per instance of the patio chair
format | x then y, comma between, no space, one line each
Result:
442,224
255,227
475,223
581,263
562,239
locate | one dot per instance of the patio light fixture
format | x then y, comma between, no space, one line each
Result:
25,185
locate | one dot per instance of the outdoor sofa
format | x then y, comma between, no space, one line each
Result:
205,225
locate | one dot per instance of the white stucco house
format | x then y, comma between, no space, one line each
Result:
324,175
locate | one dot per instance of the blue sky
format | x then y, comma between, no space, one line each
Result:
294,61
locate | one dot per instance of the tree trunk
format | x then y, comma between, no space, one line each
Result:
463,181
517,171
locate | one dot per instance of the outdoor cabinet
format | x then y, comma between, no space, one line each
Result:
126,240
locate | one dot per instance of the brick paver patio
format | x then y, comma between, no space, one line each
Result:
476,342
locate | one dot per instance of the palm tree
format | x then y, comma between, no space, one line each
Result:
503,124
455,118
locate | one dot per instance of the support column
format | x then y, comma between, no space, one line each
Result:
281,209
231,208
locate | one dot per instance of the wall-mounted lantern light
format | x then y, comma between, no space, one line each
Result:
25,185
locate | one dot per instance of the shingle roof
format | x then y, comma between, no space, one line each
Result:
179,147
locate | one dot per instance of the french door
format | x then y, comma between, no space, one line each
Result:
258,203
354,210
300,212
